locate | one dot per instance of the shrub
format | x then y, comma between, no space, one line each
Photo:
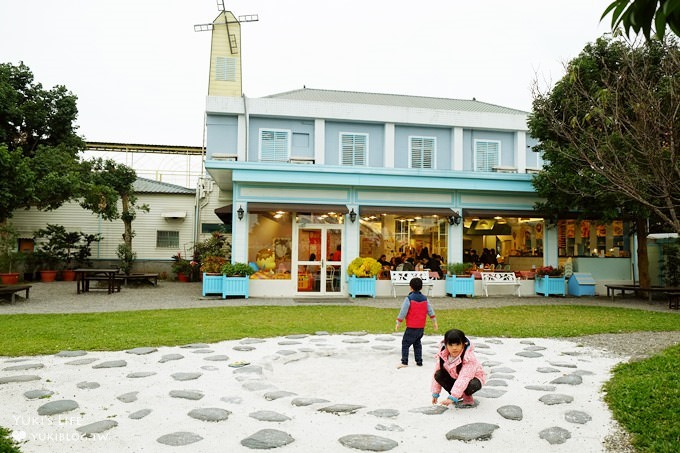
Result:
213,264
237,270
458,268
550,271
364,267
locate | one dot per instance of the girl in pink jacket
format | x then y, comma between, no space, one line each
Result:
457,370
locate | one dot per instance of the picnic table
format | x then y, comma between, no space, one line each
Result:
12,290
636,289
85,276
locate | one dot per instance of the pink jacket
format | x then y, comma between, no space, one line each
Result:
471,369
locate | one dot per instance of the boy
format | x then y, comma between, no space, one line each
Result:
415,310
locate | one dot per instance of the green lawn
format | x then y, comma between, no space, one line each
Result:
651,385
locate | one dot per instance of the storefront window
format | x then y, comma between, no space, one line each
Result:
270,239
513,243
589,238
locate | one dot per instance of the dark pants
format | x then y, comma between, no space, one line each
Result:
412,337
446,381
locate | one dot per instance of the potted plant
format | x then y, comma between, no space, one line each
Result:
550,280
459,281
361,276
9,256
235,279
211,266
182,267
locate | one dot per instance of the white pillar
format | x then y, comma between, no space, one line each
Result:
239,231
241,139
319,141
457,148
550,250
455,248
521,151
388,150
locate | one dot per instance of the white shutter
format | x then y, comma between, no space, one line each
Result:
353,149
422,152
487,155
274,146
225,69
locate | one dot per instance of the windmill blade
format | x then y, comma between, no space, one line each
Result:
220,5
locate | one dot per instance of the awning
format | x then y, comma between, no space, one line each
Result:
174,214
490,213
297,207
405,210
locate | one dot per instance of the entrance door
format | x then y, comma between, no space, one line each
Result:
319,259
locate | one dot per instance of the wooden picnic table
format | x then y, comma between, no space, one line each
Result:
635,289
85,276
12,290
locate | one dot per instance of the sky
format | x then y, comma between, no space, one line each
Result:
140,71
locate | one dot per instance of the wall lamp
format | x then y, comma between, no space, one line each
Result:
455,219
352,215
240,213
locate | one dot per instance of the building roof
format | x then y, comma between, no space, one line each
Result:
144,185
355,97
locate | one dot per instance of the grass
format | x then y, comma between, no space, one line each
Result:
643,396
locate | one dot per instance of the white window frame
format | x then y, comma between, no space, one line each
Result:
433,157
476,143
366,146
165,239
288,134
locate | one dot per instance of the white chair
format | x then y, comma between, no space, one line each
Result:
330,277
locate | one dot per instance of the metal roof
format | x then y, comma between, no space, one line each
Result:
144,185
398,100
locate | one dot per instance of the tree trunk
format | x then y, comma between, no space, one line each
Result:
643,259
127,221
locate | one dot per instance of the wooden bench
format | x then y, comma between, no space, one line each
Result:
673,300
635,289
499,278
149,278
403,278
12,290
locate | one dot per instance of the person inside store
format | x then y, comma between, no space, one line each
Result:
337,255
488,258
434,264
474,258
383,260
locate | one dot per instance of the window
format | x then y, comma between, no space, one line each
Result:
225,69
487,155
274,145
167,239
421,152
207,228
353,149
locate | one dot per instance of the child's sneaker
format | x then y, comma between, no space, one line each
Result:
468,400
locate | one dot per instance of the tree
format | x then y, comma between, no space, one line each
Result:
39,147
642,15
610,135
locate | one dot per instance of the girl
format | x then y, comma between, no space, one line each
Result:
458,371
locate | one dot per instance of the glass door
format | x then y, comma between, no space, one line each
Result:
319,259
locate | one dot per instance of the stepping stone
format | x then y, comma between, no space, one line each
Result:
556,398
195,346
503,369
141,351
384,413
271,396
496,383
186,376
256,386
57,407
266,439
186,394
19,378
129,397
577,417
385,338
301,402
27,366
563,364
82,361
203,351
232,399
217,358
111,364
210,414
139,414
141,374
535,348
484,352
542,388
253,369
583,372
529,354
501,376
36,394
88,385
367,442
297,336
493,341
243,348
482,346
341,409
97,427
269,416
252,341
239,364
490,393
572,353
355,334
355,340
434,409
383,347
391,427
70,353
321,333
285,352
571,379
209,368
491,363
179,438
555,435
510,412
288,342
170,357
545,369
472,431
529,342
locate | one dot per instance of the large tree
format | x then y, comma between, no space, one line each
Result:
39,146
648,16
610,136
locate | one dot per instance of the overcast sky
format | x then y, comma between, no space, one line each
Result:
140,71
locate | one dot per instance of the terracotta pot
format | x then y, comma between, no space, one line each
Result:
48,276
10,278
182,277
68,275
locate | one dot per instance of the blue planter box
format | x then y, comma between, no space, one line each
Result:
581,284
212,284
235,286
364,286
463,286
550,285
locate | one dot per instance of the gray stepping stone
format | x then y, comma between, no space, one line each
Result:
367,442
19,378
82,361
266,439
563,364
385,338
288,342
210,414
472,431
97,427
254,369
271,396
556,398
301,402
217,358
382,347
510,412
88,385
496,383
542,388
391,427
341,409
24,367
195,346
179,438
21,359
555,435
529,354
571,379
232,399
545,369
503,369
355,334
493,341
482,346
70,353
583,372
269,416
37,394
239,364
209,368
111,364
252,341
491,363
384,413
202,351
490,393
484,352
141,374
579,417
243,348
535,348
57,407
170,357
186,376
501,376
256,386
573,353
297,336
139,414
186,394
434,409
321,333
529,342
129,397
355,340
285,352
142,351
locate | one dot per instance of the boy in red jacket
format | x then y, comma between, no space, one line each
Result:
415,310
